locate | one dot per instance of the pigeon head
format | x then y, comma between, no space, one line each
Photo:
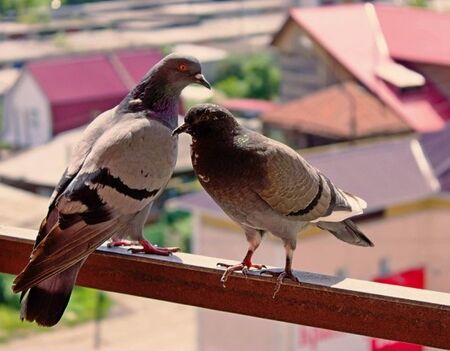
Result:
207,120
181,70
161,87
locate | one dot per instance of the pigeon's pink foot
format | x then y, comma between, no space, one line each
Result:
117,243
244,266
286,274
148,248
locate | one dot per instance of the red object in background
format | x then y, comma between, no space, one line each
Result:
412,278
388,345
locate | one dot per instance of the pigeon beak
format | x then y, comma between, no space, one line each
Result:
184,128
200,79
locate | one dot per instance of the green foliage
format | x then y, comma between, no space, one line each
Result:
76,2
21,6
418,3
249,76
174,228
60,40
85,304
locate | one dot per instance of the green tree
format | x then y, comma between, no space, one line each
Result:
21,6
249,76
418,3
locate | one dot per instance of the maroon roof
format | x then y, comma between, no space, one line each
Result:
345,32
75,79
79,88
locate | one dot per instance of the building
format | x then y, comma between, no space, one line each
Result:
8,77
407,219
55,95
365,43
341,112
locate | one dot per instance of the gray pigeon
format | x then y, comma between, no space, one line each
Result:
121,165
264,185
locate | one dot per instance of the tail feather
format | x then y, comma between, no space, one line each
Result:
346,231
45,303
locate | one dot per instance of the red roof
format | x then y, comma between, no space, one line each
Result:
78,88
416,35
345,32
341,111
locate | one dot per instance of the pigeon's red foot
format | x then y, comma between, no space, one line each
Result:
281,276
117,243
148,248
244,267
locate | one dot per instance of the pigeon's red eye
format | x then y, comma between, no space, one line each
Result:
182,67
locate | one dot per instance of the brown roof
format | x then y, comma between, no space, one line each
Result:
336,112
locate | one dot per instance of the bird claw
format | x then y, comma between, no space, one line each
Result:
280,277
244,267
121,243
148,248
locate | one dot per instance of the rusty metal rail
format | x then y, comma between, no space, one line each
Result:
347,305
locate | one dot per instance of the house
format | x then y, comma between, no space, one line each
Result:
342,112
399,54
8,76
55,95
407,219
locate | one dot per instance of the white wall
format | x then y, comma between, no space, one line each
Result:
27,116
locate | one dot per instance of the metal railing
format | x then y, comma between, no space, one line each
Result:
347,305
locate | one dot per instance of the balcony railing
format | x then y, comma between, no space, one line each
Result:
347,305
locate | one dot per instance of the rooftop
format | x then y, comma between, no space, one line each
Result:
341,111
73,79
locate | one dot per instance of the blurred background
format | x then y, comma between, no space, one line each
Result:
362,89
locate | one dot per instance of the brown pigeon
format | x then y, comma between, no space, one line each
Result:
265,186
123,162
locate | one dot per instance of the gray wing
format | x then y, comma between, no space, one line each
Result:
294,188
91,134
94,202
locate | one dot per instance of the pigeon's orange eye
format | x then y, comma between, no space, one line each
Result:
182,67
